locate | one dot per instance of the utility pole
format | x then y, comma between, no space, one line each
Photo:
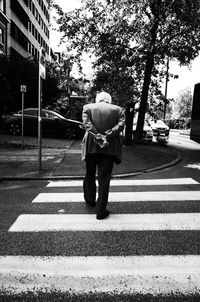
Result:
166,86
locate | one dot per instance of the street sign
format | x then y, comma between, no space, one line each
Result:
42,69
23,88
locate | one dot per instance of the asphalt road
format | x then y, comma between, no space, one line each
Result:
20,198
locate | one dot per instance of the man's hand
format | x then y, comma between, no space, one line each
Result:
100,140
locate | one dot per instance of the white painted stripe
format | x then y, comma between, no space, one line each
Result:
117,275
122,196
115,222
129,182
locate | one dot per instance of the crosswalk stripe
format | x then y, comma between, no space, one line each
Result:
116,222
129,182
114,274
130,274
122,196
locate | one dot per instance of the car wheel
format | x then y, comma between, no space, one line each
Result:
14,128
70,133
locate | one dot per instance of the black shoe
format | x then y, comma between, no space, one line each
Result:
91,204
105,214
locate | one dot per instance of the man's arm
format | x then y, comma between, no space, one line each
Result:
119,127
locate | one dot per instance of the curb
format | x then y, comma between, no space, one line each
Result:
125,175
28,146
161,167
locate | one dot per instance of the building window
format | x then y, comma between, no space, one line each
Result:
29,47
33,51
1,36
41,23
33,9
36,14
39,38
33,30
2,46
36,34
2,6
18,35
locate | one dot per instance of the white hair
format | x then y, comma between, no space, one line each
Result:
103,96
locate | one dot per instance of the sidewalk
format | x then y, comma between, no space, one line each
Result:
61,159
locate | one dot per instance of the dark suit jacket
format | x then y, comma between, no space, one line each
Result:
106,119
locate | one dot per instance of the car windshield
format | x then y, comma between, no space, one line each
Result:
59,115
159,122
32,112
52,114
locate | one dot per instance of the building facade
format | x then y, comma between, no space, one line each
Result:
4,21
26,27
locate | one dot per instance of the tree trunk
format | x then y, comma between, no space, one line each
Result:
144,97
155,9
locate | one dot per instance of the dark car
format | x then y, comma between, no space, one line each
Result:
53,124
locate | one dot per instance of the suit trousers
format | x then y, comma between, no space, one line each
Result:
104,163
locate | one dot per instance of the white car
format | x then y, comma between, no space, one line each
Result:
147,132
159,128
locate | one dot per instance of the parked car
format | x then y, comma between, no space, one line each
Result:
147,131
53,124
159,128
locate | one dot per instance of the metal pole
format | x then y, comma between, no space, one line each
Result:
166,84
42,75
22,142
39,126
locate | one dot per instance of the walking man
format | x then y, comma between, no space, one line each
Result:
101,148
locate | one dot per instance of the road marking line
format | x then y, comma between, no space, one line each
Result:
122,196
116,222
111,274
130,182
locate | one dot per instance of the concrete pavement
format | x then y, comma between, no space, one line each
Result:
61,159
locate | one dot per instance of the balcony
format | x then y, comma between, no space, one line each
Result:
3,17
20,13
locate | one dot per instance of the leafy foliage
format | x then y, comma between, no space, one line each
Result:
133,39
16,71
51,91
183,103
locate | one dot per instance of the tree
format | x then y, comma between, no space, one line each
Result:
16,71
138,35
170,32
51,91
183,103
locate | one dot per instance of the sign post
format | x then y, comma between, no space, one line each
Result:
42,75
23,90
